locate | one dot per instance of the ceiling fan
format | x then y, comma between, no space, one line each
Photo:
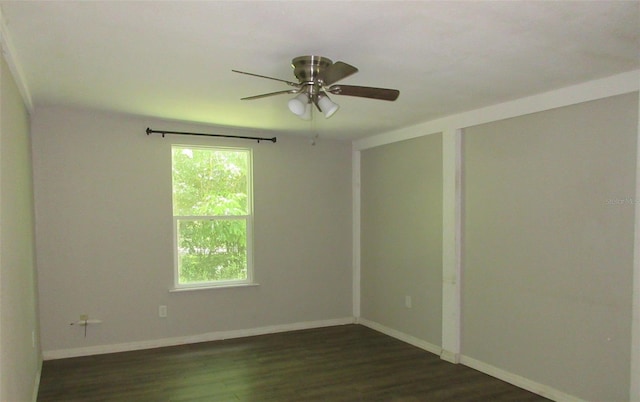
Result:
317,76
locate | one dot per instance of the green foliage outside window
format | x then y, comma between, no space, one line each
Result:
211,206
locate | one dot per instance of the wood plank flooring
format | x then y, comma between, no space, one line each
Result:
343,363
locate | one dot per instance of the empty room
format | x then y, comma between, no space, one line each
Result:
319,201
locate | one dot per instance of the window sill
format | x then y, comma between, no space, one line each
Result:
234,285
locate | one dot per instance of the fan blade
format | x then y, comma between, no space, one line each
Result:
293,84
338,71
287,91
365,92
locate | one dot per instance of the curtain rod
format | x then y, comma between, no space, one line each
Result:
163,132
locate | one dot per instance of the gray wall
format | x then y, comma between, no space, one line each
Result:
401,236
548,246
19,356
104,232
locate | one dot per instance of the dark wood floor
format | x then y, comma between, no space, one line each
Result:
344,363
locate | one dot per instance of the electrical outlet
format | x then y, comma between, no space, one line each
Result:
84,317
162,311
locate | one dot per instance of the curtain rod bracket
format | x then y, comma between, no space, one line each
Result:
164,132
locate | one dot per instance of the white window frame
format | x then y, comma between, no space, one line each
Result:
249,281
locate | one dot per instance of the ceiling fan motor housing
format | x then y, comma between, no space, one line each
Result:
310,68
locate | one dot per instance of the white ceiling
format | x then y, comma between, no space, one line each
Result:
173,59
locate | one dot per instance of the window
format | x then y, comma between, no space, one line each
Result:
212,216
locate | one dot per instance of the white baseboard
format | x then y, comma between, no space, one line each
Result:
450,357
524,383
411,340
183,340
521,382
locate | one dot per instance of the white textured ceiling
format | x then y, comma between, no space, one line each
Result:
173,59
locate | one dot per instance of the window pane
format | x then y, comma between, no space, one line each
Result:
212,250
209,182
